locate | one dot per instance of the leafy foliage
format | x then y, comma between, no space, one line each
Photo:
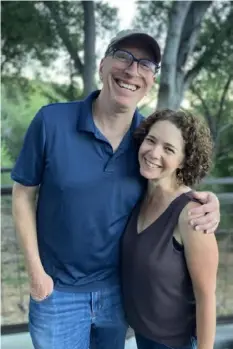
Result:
42,31
204,39
153,16
31,32
27,34
18,109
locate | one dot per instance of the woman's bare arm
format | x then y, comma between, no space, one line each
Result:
201,254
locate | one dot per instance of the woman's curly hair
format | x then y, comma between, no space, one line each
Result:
197,139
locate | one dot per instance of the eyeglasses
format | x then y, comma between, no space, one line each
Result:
126,58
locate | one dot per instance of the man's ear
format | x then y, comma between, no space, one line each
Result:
101,69
101,65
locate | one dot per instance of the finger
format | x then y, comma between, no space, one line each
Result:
203,220
36,296
38,293
194,216
201,210
207,225
39,299
201,195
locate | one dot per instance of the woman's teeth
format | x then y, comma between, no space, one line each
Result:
151,165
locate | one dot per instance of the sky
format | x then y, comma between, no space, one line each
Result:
126,11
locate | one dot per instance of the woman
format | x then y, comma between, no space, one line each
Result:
168,269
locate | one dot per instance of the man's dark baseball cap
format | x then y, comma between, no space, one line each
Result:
140,35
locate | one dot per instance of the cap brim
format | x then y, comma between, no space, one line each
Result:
144,38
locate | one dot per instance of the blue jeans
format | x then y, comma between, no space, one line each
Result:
144,343
78,320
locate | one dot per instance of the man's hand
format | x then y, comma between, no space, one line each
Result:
207,216
41,286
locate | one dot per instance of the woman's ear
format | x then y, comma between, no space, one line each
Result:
179,175
182,161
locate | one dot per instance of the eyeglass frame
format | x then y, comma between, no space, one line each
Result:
112,51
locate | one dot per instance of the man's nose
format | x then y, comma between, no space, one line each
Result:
132,69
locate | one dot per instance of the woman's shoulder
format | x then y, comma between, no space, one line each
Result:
184,218
184,215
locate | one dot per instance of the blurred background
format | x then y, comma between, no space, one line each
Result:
51,51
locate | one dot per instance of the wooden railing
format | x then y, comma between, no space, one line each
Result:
14,278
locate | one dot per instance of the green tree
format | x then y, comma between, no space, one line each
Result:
201,62
199,34
44,30
212,98
17,110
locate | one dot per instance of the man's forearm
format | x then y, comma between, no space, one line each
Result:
24,214
206,321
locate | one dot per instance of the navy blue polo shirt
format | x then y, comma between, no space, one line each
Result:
86,193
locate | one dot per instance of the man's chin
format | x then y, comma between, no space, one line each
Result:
125,102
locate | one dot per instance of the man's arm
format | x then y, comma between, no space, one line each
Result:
24,215
205,217
201,254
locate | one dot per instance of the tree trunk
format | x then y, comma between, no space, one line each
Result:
89,47
184,26
168,69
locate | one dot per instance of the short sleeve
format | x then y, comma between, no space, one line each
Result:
29,166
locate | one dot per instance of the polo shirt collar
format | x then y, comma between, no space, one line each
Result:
85,119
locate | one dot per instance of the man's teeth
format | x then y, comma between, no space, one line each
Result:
127,86
151,165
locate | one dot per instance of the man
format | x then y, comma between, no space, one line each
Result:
82,160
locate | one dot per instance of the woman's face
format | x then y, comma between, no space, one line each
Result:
162,151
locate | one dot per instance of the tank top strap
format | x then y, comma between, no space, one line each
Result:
175,209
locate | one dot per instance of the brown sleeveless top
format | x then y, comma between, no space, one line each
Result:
157,289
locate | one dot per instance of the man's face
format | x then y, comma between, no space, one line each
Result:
126,85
